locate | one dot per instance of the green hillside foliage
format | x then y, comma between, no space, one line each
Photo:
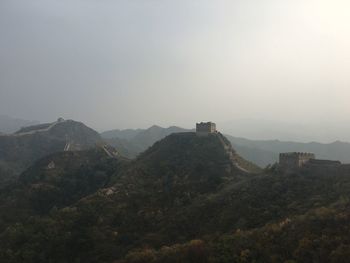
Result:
183,200
42,188
320,235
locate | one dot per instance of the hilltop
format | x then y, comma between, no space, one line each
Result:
184,158
21,149
132,142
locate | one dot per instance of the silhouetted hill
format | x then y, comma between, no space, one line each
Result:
20,150
188,153
10,125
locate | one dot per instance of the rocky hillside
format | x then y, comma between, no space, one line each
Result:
21,149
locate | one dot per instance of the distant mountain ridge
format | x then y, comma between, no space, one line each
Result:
154,131
267,152
131,142
259,129
260,152
10,125
122,134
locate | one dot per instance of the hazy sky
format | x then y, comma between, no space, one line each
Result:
133,63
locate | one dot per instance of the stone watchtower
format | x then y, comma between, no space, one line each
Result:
294,160
205,128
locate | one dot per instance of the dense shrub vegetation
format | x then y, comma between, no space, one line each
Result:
180,201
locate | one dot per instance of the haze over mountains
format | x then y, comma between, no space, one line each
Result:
262,152
131,142
124,178
325,131
187,198
10,125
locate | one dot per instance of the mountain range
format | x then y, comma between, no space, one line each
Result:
187,199
267,152
261,152
20,149
10,125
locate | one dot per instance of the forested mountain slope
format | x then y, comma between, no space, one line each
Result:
21,149
186,199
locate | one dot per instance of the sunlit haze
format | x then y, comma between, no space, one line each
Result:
134,63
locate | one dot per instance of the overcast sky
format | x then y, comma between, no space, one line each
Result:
133,63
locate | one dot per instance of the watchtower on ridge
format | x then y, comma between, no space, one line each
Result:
205,128
294,160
